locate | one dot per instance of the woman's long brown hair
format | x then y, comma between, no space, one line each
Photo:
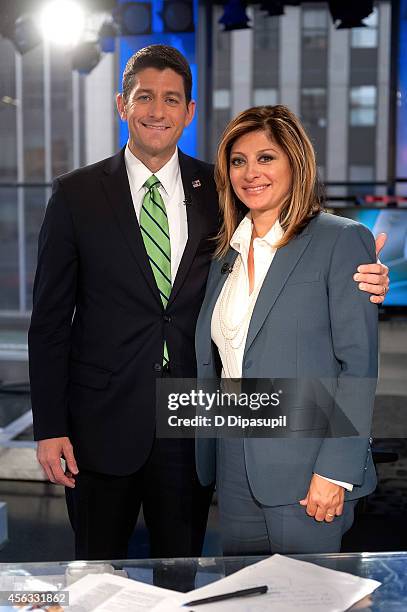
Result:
305,199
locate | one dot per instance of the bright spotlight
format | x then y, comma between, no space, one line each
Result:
62,22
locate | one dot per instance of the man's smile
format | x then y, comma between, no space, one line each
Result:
152,126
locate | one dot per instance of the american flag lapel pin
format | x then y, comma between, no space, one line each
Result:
196,183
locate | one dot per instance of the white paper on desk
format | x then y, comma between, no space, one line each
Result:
293,585
109,593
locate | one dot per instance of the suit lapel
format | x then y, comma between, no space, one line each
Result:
195,218
281,267
118,193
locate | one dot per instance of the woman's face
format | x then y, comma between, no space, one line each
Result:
260,172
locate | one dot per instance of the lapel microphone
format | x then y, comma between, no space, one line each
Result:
188,200
226,268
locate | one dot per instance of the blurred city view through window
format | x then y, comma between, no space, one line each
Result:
338,81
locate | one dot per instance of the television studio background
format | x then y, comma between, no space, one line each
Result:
341,66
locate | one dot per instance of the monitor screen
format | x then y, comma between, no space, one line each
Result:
394,254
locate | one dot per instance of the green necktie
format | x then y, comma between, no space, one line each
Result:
156,236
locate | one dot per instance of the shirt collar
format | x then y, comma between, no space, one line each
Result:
240,240
138,173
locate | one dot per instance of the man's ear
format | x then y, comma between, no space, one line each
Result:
191,112
121,107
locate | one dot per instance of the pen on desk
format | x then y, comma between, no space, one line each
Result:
259,590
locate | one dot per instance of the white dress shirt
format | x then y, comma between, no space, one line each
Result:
172,193
238,308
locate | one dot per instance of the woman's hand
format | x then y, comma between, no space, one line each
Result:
374,278
324,499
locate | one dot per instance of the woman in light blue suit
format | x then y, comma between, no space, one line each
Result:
281,303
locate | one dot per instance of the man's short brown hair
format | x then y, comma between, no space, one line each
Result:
159,57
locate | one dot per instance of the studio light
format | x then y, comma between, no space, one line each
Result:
18,25
234,16
350,15
26,34
178,16
85,57
62,22
107,36
274,8
134,18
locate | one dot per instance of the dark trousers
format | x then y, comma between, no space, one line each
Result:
103,509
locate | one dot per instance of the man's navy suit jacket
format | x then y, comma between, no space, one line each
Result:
98,323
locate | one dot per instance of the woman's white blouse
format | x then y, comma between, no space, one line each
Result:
240,304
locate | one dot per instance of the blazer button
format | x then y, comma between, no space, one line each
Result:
167,319
158,367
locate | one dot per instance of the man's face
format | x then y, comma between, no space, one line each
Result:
156,112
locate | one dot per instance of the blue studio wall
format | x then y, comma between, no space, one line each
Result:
184,42
401,144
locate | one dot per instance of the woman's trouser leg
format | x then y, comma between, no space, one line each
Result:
250,528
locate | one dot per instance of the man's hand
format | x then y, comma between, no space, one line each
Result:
374,278
324,499
49,454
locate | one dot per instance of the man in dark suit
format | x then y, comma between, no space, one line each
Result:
115,308
99,324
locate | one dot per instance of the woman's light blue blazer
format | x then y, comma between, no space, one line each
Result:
310,321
